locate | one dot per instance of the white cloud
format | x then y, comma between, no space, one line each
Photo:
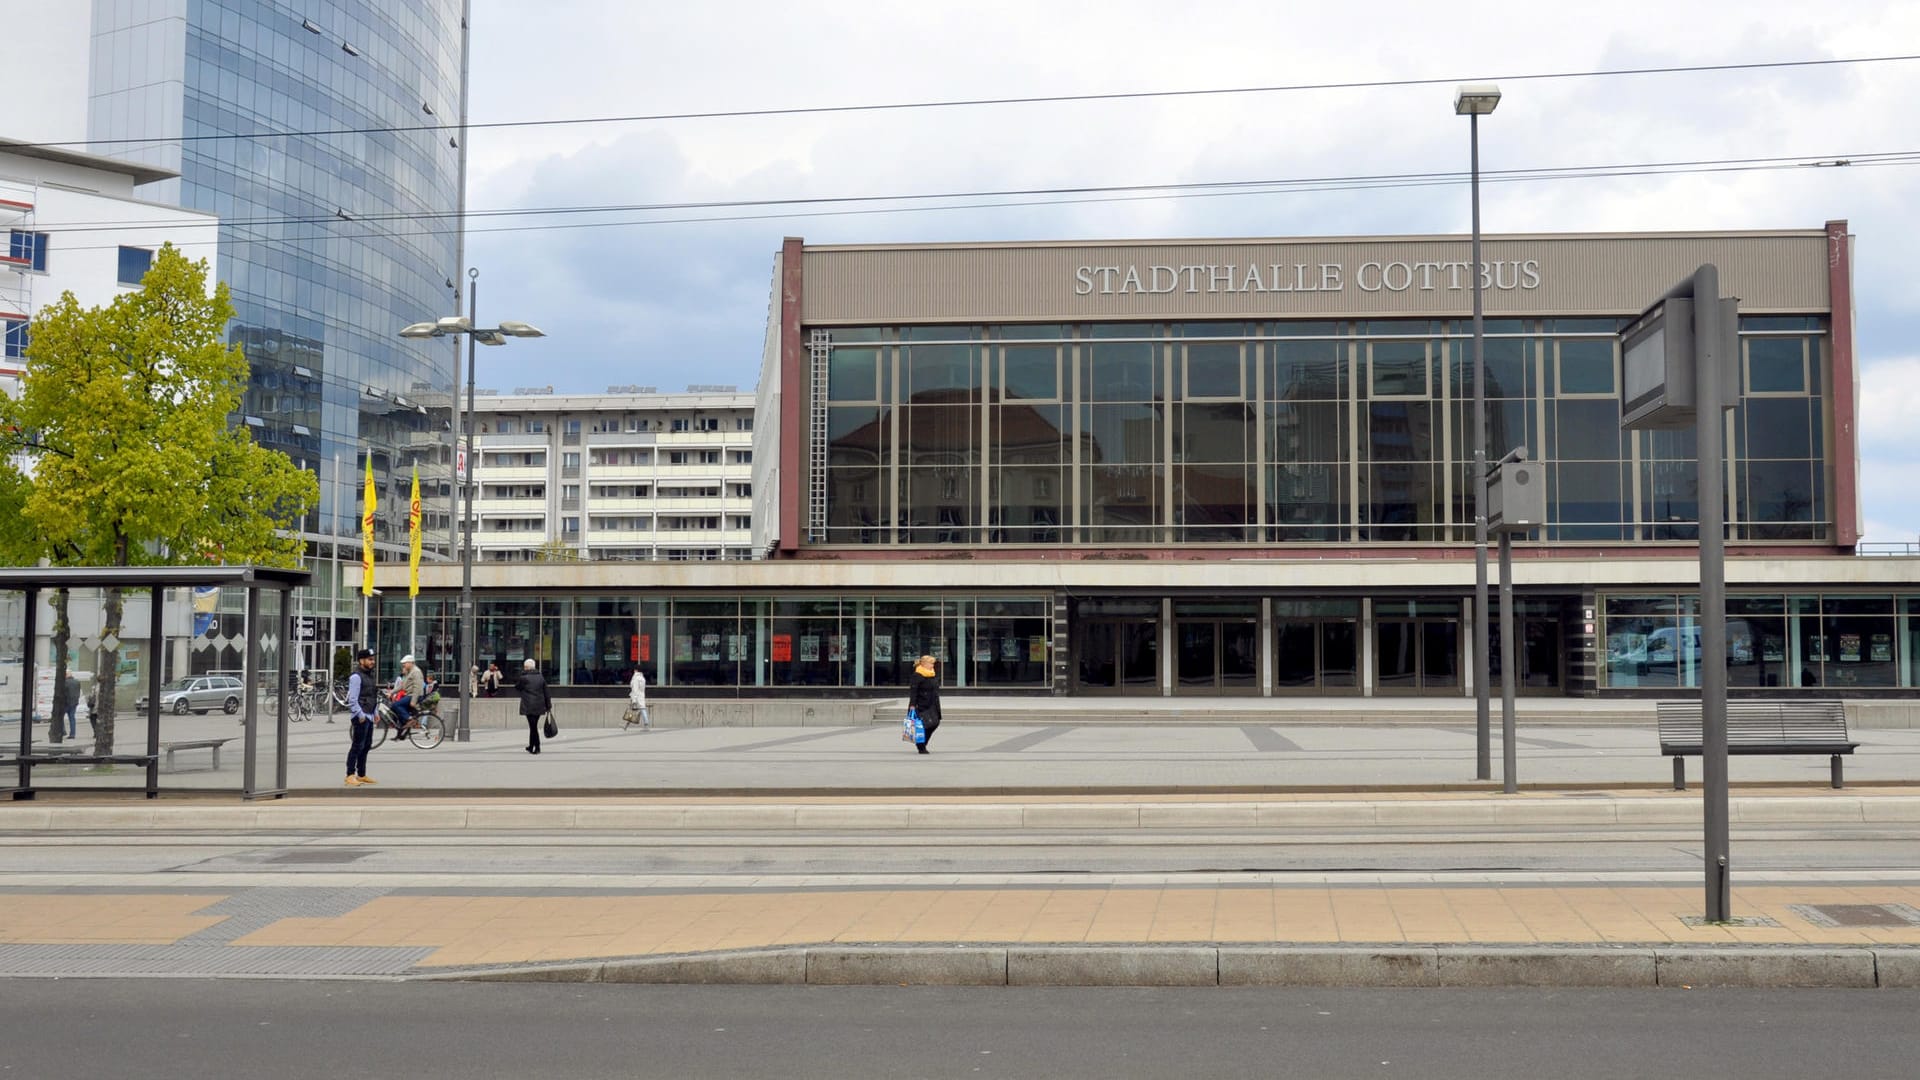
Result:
687,303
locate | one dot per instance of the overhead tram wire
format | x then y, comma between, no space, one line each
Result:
1045,99
1356,182
1011,200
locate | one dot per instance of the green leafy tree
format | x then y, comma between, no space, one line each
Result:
555,551
124,412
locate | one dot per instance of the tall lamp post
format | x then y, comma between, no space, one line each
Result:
1474,101
485,335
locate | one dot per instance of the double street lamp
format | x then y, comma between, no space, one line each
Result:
1474,101
486,335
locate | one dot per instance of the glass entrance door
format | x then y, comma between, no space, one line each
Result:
1538,651
1416,656
1218,656
1316,656
1117,656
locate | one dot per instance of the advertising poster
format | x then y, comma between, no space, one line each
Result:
1817,647
983,652
809,648
882,648
643,648
709,646
910,644
1009,648
682,648
1037,650
1849,648
939,650
736,647
837,648
1881,650
782,648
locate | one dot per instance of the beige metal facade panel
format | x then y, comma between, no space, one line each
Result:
1333,278
1239,576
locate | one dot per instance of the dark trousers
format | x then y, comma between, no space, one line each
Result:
931,724
357,752
533,734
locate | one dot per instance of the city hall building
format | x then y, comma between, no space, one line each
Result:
1244,467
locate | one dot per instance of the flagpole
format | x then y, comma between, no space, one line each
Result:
333,599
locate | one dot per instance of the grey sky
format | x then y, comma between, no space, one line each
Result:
670,304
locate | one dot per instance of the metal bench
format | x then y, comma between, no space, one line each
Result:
194,744
1758,727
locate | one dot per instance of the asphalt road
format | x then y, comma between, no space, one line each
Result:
176,858
159,1029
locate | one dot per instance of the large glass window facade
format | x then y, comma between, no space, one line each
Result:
1291,432
1816,641
733,641
318,292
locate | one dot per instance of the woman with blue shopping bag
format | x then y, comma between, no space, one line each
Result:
923,702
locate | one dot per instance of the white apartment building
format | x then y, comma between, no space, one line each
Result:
629,475
73,225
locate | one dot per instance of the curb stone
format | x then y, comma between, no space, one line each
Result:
1643,967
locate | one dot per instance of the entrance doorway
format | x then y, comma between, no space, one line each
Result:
1316,647
1417,646
1539,652
1219,646
1116,646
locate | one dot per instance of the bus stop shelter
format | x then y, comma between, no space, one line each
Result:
269,621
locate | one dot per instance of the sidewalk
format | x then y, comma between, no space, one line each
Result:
1169,755
1090,933
308,912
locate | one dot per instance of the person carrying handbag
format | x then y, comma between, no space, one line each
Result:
534,702
637,703
923,697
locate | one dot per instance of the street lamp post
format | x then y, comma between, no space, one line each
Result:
1474,101
494,335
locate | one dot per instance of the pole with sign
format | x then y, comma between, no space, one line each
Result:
1680,366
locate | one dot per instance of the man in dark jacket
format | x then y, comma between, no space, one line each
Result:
363,703
534,702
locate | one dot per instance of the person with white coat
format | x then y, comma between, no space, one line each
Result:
637,702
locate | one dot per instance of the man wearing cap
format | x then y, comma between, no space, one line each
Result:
408,689
363,699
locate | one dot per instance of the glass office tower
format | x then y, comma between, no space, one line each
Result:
311,128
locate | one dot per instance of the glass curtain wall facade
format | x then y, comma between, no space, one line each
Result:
732,642
1350,432
335,231
1817,640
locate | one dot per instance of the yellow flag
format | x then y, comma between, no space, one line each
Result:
366,533
413,537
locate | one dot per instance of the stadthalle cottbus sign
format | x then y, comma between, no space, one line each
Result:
1423,276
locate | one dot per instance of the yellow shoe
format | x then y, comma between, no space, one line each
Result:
368,780
353,781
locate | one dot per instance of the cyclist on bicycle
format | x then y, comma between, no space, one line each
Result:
408,689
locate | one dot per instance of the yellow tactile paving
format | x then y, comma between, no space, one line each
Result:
516,929
95,918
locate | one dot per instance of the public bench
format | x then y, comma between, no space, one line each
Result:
193,744
1757,727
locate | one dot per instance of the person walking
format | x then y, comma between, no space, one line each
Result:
473,682
534,702
637,702
363,702
71,707
923,696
